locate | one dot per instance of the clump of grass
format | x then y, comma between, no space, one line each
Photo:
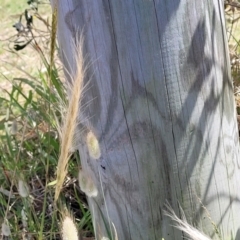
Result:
33,151
30,145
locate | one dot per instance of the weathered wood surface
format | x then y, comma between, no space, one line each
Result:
160,101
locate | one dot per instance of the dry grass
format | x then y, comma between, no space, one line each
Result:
20,63
232,13
70,120
184,226
29,142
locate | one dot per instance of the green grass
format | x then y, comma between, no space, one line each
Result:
29,146
29,151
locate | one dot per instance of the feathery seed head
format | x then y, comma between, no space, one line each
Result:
5,229
24,218
70,120
183,225
82,180
93,145
69,229
87,185
23,188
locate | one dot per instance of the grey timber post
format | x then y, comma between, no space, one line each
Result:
159,100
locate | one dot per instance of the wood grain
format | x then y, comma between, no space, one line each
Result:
160,102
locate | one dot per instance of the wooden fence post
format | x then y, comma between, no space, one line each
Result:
159,103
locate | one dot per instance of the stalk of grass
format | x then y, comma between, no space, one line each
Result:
184,226
70,122
50,67
86,220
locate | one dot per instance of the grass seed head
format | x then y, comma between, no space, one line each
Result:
24,218
23,188
5,229
70,119
184,226
86,184
93,145
69,229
